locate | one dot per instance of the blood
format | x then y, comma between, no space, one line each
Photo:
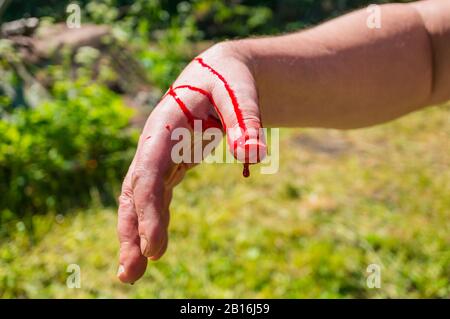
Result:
183,107
246,170
206,123
211,121
168,127
237,111
240,119
210,98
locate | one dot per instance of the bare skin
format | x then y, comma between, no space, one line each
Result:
341,74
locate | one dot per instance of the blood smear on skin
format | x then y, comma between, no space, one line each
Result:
211,123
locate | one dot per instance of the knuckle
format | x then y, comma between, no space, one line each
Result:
223,48
137,176
144,181
126,197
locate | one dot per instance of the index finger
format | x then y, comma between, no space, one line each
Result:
153,163
132,263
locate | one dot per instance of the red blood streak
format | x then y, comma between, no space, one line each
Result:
182,106
257,149
208,95
168,127
211,121
246,170
237,111
208,123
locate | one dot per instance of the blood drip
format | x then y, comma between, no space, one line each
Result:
246,170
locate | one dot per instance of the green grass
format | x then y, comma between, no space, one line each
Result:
341,201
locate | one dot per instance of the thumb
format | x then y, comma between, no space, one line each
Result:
237,106
246,141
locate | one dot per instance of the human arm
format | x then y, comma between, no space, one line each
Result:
340,74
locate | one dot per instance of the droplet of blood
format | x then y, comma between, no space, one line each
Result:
168,127
246,170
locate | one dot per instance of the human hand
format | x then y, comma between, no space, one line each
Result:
217,88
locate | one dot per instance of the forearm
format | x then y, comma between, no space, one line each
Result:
343,74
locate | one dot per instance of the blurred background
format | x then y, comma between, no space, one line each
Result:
72,103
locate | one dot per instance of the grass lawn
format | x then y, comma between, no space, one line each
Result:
340,202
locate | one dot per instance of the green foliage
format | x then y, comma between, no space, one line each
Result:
310,231
9,81
54,156
166,60
215,18
218,18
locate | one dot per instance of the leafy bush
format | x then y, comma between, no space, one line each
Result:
166,60
54,156
216,18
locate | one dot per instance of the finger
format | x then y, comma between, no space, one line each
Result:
163,249
153,163
167,199
132,264
237,101
148,190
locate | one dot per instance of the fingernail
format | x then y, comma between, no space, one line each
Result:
255,150
248,146
120,270
144,245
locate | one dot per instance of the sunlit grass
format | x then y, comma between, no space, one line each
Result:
341,201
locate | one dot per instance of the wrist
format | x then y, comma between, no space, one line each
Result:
244,52
239,50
